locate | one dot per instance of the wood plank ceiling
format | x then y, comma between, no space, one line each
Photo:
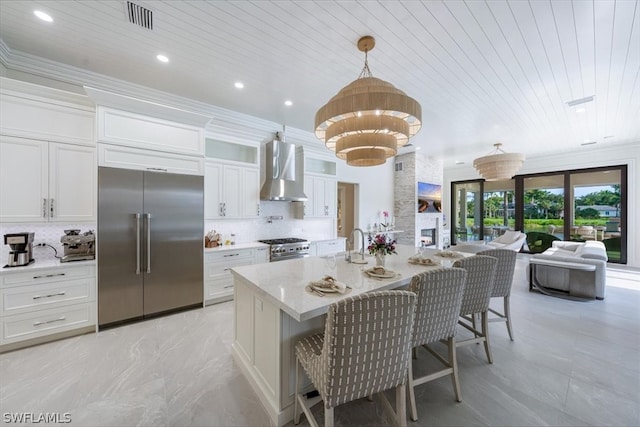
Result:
483,71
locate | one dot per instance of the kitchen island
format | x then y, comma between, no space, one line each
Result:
273,310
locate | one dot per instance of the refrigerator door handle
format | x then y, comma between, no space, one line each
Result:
137,243
148,215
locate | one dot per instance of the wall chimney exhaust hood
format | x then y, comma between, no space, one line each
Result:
284,171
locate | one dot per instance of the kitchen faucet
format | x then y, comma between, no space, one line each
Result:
348,257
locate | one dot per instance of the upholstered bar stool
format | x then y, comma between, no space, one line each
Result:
476,297
364,350
439,298
502,284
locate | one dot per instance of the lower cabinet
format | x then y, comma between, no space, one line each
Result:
218,282
327,247
36,304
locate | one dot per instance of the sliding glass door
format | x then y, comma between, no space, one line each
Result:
596,198
575,205
499,208
543,210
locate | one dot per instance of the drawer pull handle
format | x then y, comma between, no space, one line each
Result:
49,275
228,286
226,256
50,295
59,319
227,269
157,169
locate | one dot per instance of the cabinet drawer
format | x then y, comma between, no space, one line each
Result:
47,275
20,299
218,288
21,327
223,266
228,254
330,247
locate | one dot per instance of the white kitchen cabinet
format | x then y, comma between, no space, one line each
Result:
60,184
261,255
328,247
33,111
149,133
231,191
321,193
41,303
117,156
218,282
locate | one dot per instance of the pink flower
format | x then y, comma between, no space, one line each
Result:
385,214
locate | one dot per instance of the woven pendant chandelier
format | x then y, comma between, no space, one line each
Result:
499,165
369,119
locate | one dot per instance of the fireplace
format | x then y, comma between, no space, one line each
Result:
428,237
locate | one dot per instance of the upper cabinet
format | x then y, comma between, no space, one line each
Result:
47,154
320,186
231,181
38,112
139,131
135,141
60,184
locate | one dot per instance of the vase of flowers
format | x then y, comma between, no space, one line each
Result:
380,246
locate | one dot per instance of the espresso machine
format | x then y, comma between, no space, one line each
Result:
21,252
78,247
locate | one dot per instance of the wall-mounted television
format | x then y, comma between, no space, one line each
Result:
429,197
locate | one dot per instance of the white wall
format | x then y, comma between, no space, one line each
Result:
376,189
628,154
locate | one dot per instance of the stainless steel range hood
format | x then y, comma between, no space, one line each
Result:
284,171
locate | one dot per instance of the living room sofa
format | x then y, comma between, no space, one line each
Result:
509,240
575,268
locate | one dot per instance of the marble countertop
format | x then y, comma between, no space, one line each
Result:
44,264
249,245
283,283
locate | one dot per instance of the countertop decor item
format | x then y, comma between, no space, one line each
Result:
369,119
499,165
380,246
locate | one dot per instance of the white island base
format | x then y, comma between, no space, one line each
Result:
273,311
264,349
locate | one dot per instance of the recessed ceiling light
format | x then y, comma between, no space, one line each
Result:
162,58
44,16
288,103
239,85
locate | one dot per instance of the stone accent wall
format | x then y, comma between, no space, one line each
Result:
409,169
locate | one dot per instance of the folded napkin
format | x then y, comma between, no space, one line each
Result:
417,259
329,284
449,254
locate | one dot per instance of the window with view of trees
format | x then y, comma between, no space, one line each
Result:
574,205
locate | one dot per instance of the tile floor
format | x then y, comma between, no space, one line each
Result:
572,364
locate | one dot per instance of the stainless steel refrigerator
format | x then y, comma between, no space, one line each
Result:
149,243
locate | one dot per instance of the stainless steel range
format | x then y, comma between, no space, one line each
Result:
289,248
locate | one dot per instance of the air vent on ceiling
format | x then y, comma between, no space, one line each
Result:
140,16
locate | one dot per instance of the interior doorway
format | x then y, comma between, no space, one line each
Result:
347,204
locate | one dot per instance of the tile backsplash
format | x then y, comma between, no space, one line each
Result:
250,230
48,233
246,230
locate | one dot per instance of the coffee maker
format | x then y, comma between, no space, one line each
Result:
78,247
21,245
